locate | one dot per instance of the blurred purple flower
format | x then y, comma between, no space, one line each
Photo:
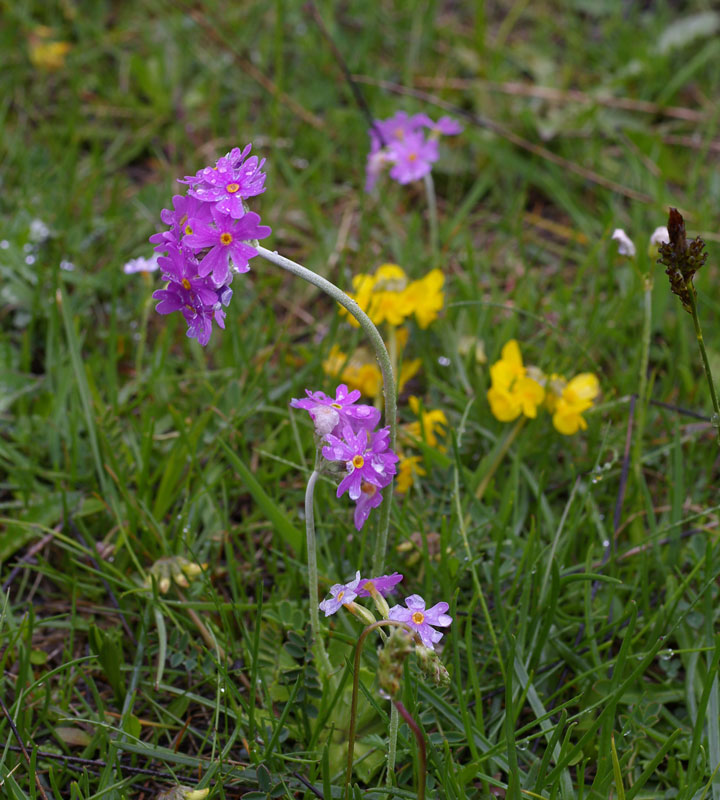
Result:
401,141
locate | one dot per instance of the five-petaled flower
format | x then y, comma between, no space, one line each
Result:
367,458
340,595
421,619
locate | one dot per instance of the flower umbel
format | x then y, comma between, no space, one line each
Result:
211,237
402,142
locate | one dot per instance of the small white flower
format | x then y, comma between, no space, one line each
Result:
659,236
39,231
625,245
141,265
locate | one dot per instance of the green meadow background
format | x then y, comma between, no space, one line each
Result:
583,583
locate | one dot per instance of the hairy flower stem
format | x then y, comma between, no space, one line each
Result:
432,215
320,652
356,685
703,355
381,353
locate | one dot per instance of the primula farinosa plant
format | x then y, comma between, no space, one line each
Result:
210,239
408,145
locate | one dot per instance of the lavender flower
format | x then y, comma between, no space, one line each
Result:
366,456
141,265
228,242
402,142
229,182
384,584
421,619
198,299
370,497
359,417
340,594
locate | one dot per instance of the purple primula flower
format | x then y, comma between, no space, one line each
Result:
359,417
227,240
447,126
184,209
414,157
340,594
384,584
420,619
402,141
198,299
229,182
370,497
366,456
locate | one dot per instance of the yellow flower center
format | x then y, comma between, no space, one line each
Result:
335,405
412,156
418,618
231,188
186,283
358,462
369,586
188,230
340,595
225,238
368,489
399,134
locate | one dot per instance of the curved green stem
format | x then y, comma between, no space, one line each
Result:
321,654
356,684
383,358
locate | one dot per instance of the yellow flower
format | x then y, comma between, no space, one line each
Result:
429,426
45,53
387,296
361,372
425,297
512,391
577,396
381,295
408,468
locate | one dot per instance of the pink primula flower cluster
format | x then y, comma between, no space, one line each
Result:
402,143
209,240
348,432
